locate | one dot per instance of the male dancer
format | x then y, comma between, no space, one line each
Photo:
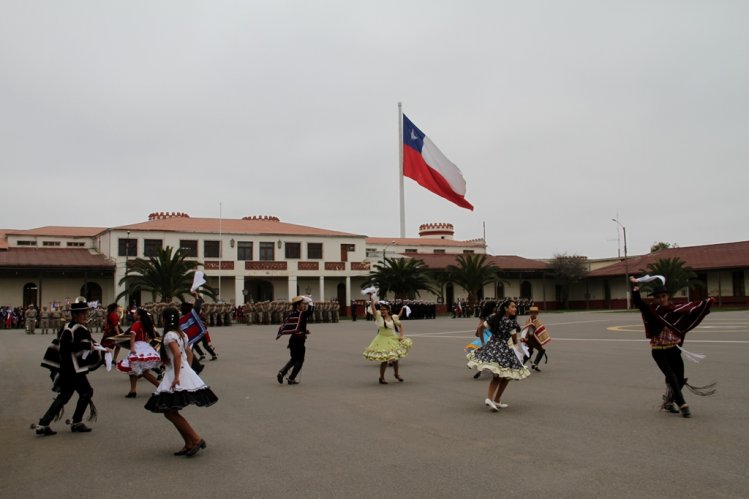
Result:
75,341
295,325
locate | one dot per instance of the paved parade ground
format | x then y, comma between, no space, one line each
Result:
589,425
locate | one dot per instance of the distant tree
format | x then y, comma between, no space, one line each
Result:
678,275
568,269
472,273
661,245
166,276
404,277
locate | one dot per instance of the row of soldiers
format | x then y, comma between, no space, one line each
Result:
273,312
213,314
462,308
420,309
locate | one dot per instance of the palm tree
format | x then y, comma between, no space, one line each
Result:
472,273
404,277
167,275
678,275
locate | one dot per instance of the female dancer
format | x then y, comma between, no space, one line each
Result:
497,356
112,328
143,356
180,386
386,347
482,333
665,326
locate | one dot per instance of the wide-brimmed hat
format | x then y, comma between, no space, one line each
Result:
79,307
533,309
658,290
297,299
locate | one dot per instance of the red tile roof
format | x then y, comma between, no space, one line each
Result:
395,243
53,257
504,262
58,231
231,226
706,257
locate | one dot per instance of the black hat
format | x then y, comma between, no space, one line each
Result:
658,290
79,307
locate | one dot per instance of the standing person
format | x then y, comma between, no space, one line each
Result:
76,360
536,334
497,356
390,345
295,325
44,318
666,325
181,386
30,317
143,356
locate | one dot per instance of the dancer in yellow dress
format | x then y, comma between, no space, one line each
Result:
390,344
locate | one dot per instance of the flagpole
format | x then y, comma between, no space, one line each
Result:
400,171
221,243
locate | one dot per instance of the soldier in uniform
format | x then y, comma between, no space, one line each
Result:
30,316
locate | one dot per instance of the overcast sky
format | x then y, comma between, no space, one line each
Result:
560,114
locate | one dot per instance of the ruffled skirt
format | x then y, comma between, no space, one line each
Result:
497,357
144,357
190,391
386,347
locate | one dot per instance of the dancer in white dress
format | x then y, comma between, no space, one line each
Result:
180,386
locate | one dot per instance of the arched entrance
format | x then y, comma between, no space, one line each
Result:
92,292
500,291
30,294
526,290
258,290
449,295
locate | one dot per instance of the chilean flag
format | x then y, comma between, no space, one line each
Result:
426,164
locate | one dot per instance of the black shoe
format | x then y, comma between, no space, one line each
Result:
194,450
181,452
131,395
215,357
292,381
45,431
477,375
400,380
79,428
685,412
383,382
279,377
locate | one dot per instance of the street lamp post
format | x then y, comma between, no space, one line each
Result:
384,251
626,262
127,264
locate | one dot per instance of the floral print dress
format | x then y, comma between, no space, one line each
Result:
496,355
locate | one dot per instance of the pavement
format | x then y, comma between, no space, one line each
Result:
589,425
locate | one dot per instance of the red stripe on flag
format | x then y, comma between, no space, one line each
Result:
414,167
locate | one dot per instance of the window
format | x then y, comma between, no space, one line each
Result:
439,252
244,250
151,247
127,247
26,243
211,249
314,251
468,252
189,247
293,250
75,245
50,243
411,250
267,251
